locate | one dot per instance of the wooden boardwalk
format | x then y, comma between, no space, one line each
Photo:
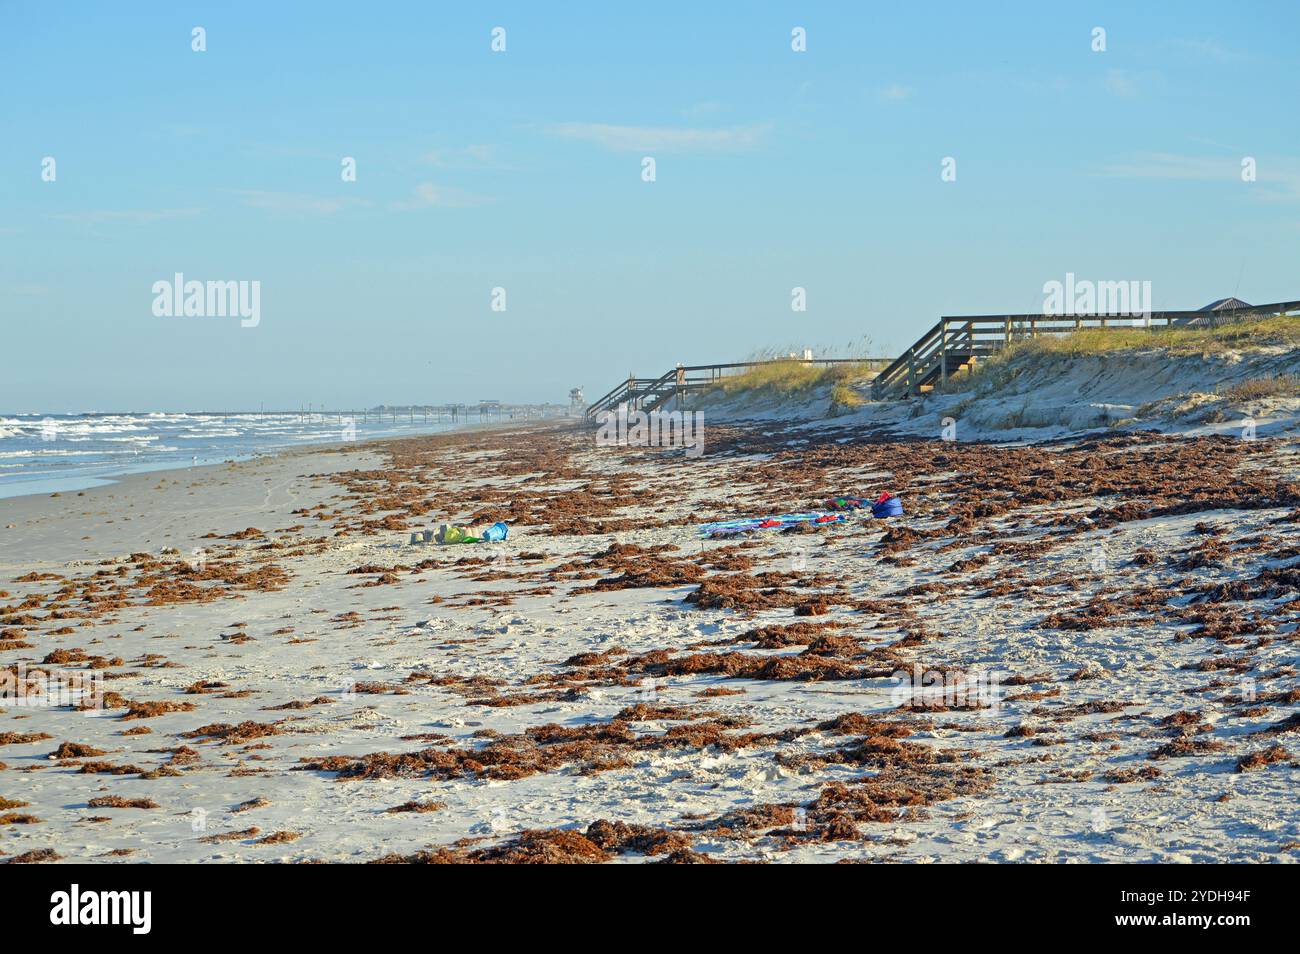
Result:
955,343
649,394
958,342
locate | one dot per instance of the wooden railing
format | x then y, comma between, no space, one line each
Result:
957,341
647,394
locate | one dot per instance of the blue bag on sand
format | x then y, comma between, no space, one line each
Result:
495,533
887,505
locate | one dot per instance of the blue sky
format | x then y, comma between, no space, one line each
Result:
522,170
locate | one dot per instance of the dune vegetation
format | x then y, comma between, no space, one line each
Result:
847,383
792,377
1282,330
1280,385
993,372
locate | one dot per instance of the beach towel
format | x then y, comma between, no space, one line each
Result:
837,509
732,528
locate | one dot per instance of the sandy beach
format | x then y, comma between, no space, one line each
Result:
281,676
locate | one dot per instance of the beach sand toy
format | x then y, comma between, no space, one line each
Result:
448,534
887,505
496,533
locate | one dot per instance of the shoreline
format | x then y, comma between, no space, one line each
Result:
46,518
112,474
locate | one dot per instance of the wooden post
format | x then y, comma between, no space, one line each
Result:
943,349
911,369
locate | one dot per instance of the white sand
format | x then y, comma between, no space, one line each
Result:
1177,818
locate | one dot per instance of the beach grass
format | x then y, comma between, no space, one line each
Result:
846,397
786,378
1281,385
996,370
1282,330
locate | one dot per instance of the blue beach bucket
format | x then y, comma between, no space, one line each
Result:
891,506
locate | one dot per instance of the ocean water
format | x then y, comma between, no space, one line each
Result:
48,453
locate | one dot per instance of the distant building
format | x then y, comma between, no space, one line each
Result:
1217,312
1225,304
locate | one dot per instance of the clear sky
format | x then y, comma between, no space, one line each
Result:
523,170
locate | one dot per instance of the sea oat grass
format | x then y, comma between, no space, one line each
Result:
1254,388
794,377
998,370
